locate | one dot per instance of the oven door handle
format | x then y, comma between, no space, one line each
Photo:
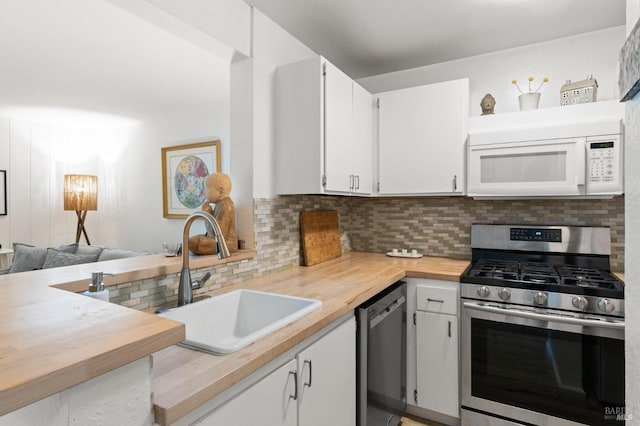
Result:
619,325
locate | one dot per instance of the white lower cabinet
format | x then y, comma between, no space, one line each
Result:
437,355
317,387
433,350
327,379
268,402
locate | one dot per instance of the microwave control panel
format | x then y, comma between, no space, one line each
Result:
604,165
602,161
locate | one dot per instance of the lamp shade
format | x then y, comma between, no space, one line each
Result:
80,192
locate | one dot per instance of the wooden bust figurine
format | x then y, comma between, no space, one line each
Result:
487,104
218,190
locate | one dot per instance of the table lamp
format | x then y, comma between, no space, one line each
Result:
81,195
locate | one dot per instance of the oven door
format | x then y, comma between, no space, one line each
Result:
540,368
535,168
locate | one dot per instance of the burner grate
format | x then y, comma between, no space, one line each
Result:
499,269
539,273
544,273
572,275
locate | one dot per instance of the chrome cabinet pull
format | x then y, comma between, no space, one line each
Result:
357,182
351,182
455,182
295,384
435,300
308,361
449,328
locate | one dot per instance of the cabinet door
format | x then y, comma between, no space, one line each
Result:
421,139
338,95
327,379
362,153
298,127
268,402
437,363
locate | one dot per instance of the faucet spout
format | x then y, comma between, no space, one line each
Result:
185,286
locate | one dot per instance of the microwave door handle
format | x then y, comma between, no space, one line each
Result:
581,162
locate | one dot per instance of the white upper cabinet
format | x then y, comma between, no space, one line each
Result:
421,139
323,130
362,140
339,146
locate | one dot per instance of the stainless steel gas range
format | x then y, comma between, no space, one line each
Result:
542,328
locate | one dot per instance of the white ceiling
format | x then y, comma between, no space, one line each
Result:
370,37
92,57
82,60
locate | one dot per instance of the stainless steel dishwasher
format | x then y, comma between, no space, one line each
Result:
381,352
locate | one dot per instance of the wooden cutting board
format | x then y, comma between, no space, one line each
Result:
320,236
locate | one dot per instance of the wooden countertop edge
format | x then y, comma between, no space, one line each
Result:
168,411
79,372
128,270
158,334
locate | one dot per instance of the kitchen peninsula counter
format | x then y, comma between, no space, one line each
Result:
51,340
185,379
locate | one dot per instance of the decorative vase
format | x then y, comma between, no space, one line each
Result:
529,101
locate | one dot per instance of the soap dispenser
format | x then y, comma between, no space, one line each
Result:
96,287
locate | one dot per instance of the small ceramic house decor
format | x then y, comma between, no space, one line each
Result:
579,92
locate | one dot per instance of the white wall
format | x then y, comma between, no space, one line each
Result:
632,240
272,47
127,161
36,157
222,27
252,115
120,397
135,199
571,58
69,68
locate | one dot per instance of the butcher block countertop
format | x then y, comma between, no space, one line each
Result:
185,379
51,339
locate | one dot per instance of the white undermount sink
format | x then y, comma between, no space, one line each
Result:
229,322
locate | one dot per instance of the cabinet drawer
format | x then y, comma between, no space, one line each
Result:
438,299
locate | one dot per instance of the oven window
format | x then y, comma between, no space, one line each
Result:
572,376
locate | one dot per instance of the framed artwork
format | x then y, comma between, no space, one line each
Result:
3,192
629,79
184,169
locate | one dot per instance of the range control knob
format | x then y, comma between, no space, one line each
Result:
484,291
504,293
540,298
580,302
606,305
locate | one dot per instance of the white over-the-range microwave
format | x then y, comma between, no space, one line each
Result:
571,160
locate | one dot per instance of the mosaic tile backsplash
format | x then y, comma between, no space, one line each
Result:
442,226
433,226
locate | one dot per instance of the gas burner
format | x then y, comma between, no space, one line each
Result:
586,283
496,274
541,278
582,273
572,275
539,273
499,269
